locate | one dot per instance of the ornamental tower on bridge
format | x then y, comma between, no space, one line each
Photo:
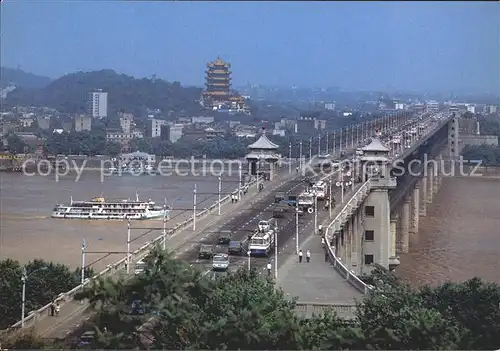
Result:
218,94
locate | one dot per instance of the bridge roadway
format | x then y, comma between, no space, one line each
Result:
242,218
186,245
74,314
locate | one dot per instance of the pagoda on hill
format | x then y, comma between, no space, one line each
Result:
218,94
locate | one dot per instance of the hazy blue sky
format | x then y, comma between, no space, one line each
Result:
366,45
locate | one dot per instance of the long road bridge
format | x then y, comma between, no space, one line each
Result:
349,227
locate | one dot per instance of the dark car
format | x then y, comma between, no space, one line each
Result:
280,210
235,248
86,340
224,237
206,251
279,197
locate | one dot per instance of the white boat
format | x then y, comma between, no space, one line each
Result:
99,208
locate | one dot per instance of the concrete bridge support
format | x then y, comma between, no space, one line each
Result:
423,197
415,209
430,183
405,225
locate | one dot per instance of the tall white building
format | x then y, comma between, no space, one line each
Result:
97,103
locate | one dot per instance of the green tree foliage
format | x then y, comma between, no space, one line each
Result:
173,306
68,94
15,144
45,282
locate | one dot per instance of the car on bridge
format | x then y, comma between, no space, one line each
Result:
279,197
236,247
206,251
225,236
280,210
220,262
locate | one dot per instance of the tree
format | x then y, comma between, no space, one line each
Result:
113,149
15,144
45,282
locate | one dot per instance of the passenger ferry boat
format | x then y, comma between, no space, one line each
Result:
99,208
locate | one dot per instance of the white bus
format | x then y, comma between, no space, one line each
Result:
321,190
261,244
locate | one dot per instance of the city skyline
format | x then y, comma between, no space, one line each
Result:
383,46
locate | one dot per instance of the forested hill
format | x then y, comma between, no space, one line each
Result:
68,93
19,78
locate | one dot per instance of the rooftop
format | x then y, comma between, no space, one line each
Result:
375,146
263,143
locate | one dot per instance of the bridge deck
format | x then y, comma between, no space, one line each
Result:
74,313
317,281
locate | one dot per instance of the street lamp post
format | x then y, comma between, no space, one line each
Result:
315,212
310,148
300,153
164,230
84,249
334,147
194,208
319,144
330,198
276,252
128,246
297,227
327,146
24,278
220,189
249,259
289,158
240,181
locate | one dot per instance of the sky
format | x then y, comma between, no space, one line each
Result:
412,46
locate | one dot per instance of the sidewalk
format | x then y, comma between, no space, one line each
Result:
74,313
317,281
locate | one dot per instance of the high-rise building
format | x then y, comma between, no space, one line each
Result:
97,103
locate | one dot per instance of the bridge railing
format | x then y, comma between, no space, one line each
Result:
345,310
67,297
337,223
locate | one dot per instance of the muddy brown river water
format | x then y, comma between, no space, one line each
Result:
28,232
460,236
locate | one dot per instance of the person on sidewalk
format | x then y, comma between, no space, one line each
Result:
269,268
300,256
327,257
232,198
52,309
58,308
308,256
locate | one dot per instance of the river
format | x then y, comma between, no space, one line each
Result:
460,236
27,231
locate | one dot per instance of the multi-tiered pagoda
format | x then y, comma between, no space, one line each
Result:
218,94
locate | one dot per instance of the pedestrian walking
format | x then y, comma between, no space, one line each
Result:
326,255
269,268
323,241
300,256
52,309
58,308
308,256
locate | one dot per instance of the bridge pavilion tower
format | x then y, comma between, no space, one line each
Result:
263,157
378,240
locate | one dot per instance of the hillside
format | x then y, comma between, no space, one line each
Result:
19,78
68,93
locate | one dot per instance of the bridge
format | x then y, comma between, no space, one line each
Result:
368,225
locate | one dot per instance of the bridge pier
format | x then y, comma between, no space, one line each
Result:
358,235
415,209
430,183
393,261
405,225
423,196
